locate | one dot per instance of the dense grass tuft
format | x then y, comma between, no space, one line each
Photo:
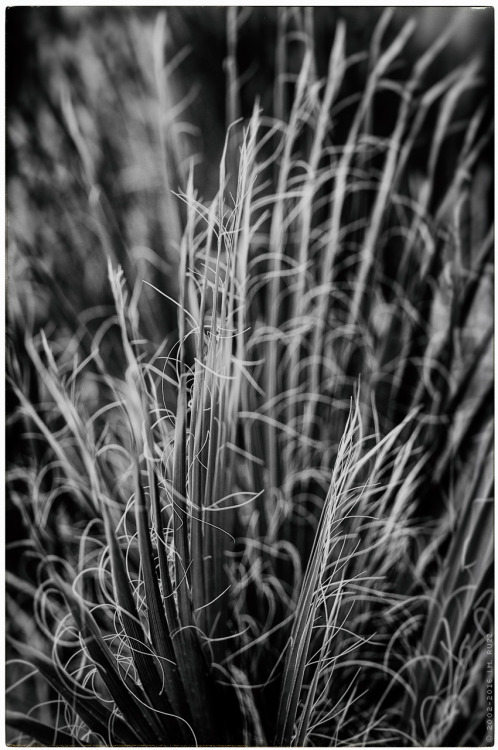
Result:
253,432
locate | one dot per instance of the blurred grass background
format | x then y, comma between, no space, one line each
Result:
97,138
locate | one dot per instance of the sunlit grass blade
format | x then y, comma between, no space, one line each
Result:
159,631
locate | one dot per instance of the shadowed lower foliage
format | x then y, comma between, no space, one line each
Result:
255,481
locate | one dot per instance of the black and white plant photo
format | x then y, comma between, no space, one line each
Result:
249,376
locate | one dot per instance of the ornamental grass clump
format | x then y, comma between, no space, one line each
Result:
273,527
